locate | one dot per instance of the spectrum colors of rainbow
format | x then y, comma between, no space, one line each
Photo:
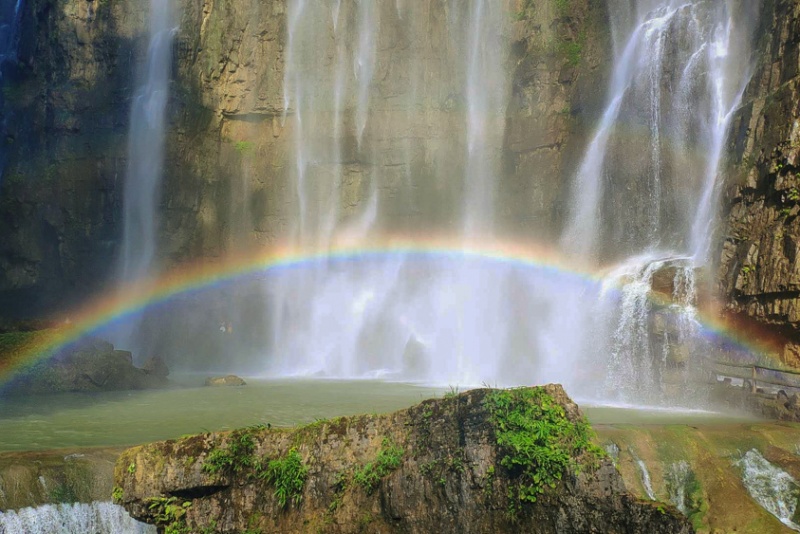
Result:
202,275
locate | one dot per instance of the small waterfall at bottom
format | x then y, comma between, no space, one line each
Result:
77,518
771,487
652,327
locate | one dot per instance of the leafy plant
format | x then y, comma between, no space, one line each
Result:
389,458
170,513
538,443
235,456
116,494
288,475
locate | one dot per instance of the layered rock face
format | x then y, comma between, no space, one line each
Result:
441,466
230,143
759,273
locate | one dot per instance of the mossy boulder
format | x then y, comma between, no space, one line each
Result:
483,461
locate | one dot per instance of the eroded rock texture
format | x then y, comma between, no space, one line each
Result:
448,479
759,271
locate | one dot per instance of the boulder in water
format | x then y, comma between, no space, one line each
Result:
229,380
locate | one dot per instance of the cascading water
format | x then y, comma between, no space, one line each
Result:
146,148
146,157
371,320
75,518
646,187
771,487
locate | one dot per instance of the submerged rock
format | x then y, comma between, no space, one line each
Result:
484,461
229,380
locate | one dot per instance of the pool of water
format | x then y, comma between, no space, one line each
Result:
132,417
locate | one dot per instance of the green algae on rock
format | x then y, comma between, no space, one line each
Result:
446,465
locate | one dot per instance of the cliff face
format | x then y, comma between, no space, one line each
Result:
230,140
759,269
450,465
65,106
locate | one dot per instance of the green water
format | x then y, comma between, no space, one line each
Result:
133,417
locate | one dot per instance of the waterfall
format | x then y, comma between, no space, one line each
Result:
146,149
142,190
771,487
648,177
644,195
77,518
681,483
646,482
347,187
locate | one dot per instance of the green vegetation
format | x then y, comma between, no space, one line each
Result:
235,457
389,458
288,475
243,147
538,443
170,513
452,393
561,5
116,495
131,468
573,50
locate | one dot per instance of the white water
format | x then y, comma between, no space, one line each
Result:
142,190
646,482
646,187
415,143
372,320
771,487
78,518
678,477
644,190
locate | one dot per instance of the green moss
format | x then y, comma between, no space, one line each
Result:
244,147
538,443
389,458
116,495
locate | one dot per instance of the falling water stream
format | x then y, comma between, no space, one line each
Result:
77,518
643,198
146,137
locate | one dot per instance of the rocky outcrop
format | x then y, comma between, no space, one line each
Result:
93,365
483,461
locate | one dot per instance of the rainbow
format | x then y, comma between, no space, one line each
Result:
201,275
